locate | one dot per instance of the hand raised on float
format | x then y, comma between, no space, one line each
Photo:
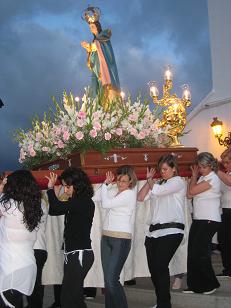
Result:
51,180
150,173
195,171
109,177
2,184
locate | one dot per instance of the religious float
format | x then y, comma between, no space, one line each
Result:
84,134
103,129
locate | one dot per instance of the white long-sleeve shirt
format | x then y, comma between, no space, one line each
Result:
120,210
167,205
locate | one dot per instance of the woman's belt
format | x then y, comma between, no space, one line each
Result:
167,225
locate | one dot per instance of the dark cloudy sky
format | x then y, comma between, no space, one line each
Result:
40,53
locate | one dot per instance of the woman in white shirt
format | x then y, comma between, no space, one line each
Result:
117,232
166,223
20,214
206,221
224,235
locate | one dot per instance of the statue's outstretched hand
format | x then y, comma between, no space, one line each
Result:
85,45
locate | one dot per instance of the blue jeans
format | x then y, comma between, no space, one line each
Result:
114,253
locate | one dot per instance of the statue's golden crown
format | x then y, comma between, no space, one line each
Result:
91,14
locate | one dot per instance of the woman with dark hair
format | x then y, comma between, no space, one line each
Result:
79,211
206,193
117,231
20,214
166,223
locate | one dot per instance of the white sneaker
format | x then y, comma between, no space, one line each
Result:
177,283
154,306
210,292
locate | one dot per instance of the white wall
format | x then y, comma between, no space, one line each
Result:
218,102
220,40
201,135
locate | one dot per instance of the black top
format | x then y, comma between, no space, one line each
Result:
79,212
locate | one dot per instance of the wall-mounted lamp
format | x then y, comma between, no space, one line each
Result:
217,130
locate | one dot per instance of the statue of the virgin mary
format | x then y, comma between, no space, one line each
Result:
101,59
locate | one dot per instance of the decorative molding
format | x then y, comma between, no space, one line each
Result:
207,104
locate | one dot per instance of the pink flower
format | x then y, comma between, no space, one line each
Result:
31,150
66,135
80,123
133,117
32,153
107,136
38,136
22,155
146,132
96,126
60,144
141,135
79,135
93,133
133,131
96,115
82,114
119,131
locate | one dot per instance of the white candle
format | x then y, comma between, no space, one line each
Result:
154,91
168,74
186,94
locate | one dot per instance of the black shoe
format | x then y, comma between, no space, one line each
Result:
131,282
54,305
224,274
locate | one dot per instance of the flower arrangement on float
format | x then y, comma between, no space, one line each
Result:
84,125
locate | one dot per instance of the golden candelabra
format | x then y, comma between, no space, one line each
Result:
174,116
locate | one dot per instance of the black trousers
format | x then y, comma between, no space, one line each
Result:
200,275
159,253
224,238
35,300
91,292
72,294
13,296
